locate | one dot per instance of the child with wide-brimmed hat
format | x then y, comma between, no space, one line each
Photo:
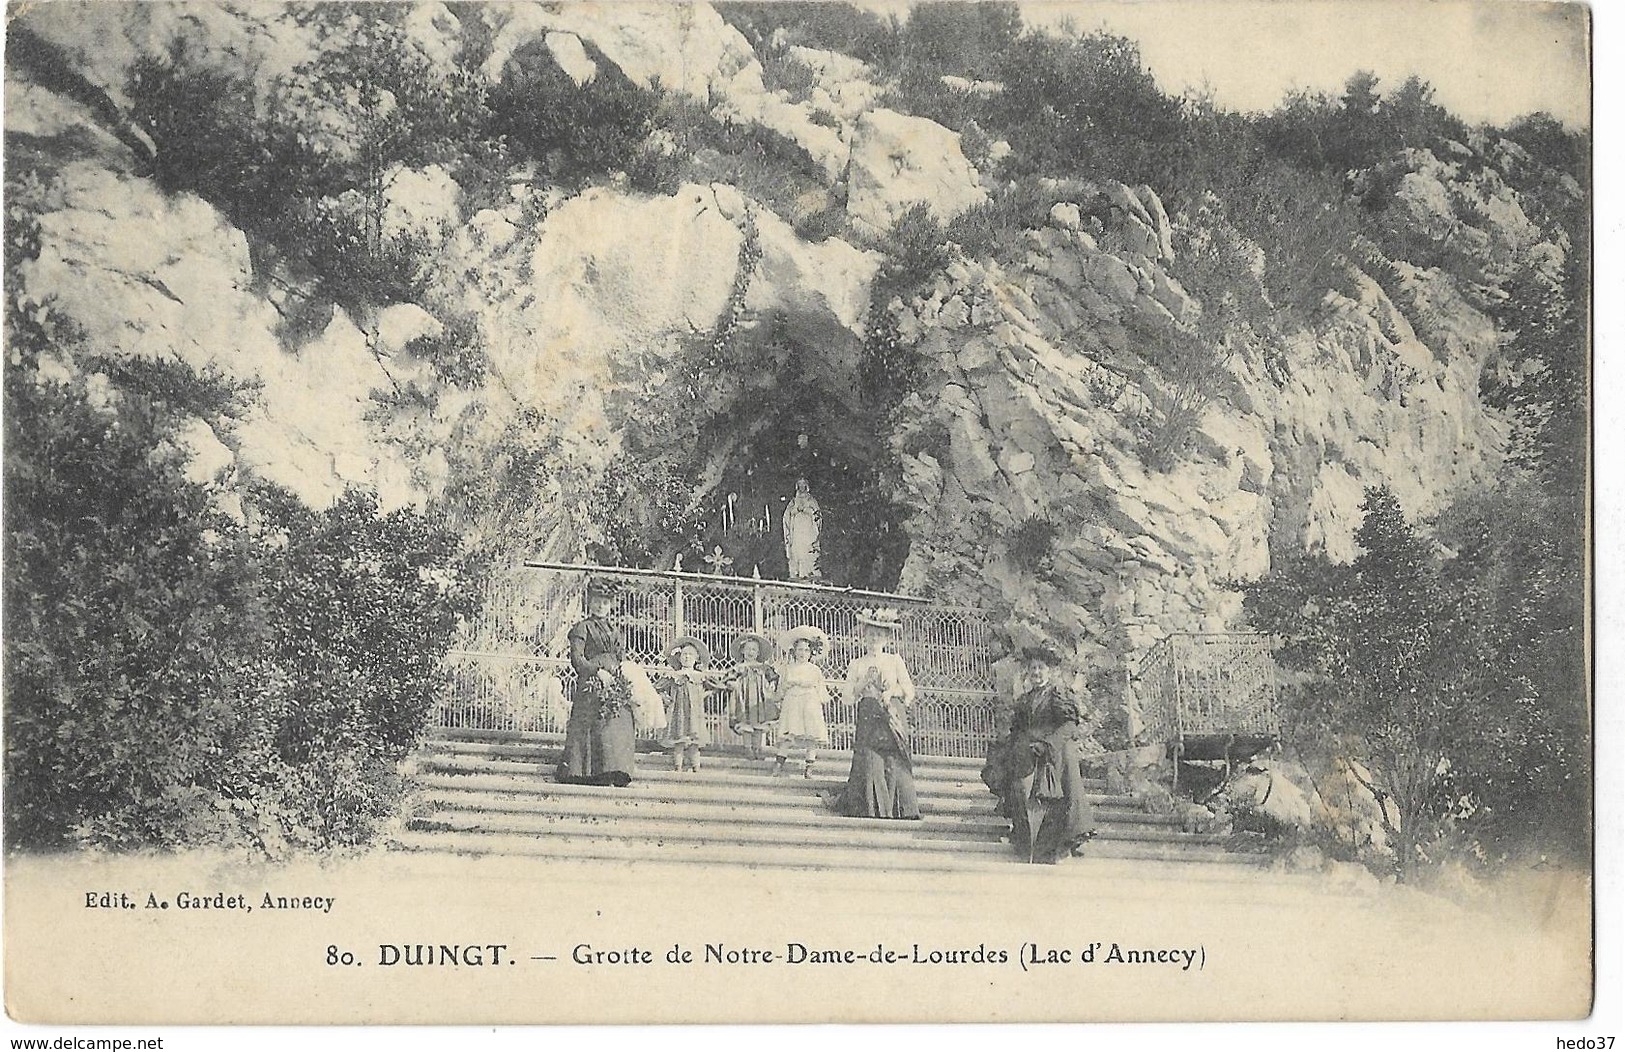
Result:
752,686
802,696
684,689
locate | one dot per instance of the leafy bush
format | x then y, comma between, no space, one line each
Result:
1086,106
890,369
822,224
1032,544
457,355
306,165
764,165
826,26
173,676
916,250
578,132
780,72
211,144
995,227
1192,368
1419,668
967,40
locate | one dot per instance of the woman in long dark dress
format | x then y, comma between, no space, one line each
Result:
881,781
600,737
1037,773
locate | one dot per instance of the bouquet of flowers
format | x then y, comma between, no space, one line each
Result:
614,696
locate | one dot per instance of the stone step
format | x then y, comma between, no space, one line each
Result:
738,780
610,805
492,793
547,757
794,856
456,791
911,836
542,749
477,735
802,795
835,829
550,747
704,787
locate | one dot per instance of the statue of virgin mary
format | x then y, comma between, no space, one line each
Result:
801,522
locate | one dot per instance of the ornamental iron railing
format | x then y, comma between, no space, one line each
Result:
511,669
1208,685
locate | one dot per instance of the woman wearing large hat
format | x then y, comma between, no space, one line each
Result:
1037,774
684,690
752,686
600,736
802,696
880,690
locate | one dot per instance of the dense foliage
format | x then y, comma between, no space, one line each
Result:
1434,671
177,671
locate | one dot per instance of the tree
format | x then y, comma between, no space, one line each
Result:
1413,668
1087,106
177,674
374,104
1519,567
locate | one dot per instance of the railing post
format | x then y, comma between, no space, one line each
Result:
756,608
677,610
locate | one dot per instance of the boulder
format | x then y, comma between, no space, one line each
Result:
898,162
572,57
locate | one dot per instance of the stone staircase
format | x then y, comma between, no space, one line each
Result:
492,793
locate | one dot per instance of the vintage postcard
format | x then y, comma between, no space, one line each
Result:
638,513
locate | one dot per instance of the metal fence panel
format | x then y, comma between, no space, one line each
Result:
1209,684
511,669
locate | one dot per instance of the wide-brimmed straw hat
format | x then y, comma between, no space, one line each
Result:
814,636
885,617
764,647
688,641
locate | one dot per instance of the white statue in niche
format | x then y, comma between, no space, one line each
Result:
801,522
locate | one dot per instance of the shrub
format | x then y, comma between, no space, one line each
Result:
765,165
578,132
780,72
456,354
1032,544
916,249
822,224
826,26
210,143
995,227
173,676
1086,106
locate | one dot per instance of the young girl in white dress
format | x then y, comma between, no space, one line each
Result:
802,696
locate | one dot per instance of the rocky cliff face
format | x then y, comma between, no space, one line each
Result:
1034,415
1039,403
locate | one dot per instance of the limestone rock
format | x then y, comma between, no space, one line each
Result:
571,56
899,162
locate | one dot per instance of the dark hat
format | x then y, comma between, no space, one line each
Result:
602,588
688,641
